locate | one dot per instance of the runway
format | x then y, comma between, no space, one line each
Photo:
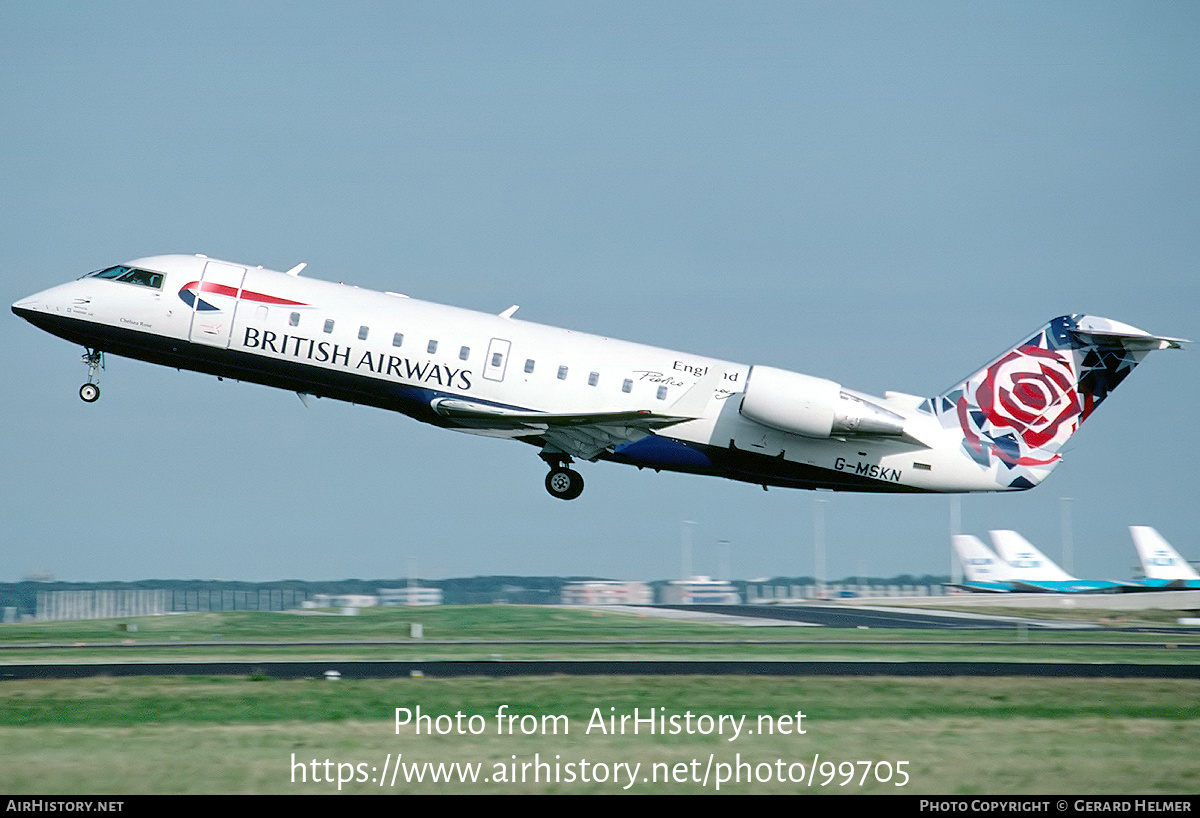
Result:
832,615
507,668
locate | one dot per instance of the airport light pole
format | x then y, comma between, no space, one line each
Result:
1067,544
819,544
685,547
955,528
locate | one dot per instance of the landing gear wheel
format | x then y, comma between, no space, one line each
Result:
565,484
90,391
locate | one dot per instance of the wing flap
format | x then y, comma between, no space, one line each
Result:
580,434
585,435
501,417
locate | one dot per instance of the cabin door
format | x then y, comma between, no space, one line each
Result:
214,306
497,359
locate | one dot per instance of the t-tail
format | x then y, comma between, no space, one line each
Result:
1016,413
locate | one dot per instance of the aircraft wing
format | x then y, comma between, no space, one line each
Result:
499,417
583,435
586,434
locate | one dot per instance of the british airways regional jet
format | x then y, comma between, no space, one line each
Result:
578,396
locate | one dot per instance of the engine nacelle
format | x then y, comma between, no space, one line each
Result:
813,407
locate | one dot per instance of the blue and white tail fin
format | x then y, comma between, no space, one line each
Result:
1025,561
1159,559
1016,413
979,563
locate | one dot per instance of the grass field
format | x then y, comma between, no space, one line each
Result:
236,735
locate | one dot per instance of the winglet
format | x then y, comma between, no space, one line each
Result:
692,403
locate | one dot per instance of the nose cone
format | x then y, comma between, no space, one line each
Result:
56,299
56,310
28,305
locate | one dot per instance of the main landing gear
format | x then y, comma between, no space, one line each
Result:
565,484
561,482
90,391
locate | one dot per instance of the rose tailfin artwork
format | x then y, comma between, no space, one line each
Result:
1017,412
580,397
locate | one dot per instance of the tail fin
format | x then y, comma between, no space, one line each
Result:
978,562
1027,562
1159,559
1018,411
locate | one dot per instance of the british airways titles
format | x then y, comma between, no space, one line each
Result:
390,366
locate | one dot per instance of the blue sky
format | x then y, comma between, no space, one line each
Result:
885,194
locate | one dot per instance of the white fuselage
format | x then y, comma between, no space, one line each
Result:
406,355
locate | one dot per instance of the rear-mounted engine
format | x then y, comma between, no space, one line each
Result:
813,407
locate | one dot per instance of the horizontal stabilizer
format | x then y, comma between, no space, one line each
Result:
1098,328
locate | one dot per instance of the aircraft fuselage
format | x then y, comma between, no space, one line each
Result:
572,394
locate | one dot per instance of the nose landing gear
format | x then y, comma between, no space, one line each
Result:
90,391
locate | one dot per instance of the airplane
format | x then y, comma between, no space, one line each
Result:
579,396
982,569
1163,566
1018,568
1031,570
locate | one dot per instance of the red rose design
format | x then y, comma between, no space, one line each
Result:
1030,391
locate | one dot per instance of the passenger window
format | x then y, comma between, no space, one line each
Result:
529,366
362,333
627,386
432,347
662,393
562,373
294,319
464,353
593,378
328,325
398,339
497,359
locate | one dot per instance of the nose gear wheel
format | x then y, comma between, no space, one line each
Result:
90,391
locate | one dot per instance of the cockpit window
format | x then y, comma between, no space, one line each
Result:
130,275
111,272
